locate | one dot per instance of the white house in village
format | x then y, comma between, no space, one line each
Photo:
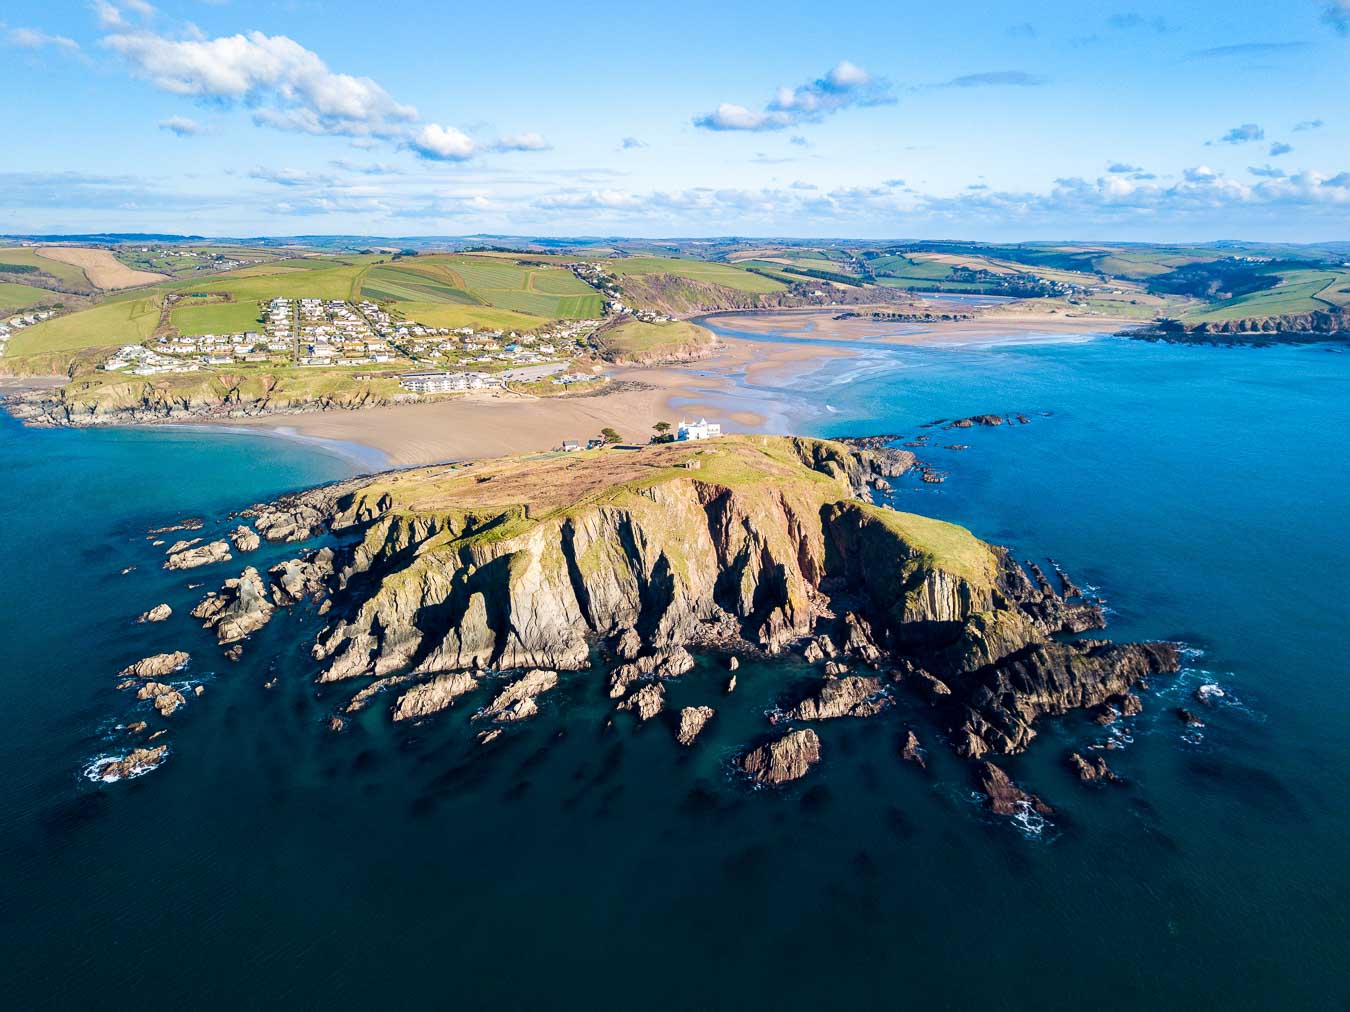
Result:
702,429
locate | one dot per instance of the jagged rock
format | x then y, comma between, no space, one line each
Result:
137,728
647,701
851,696
692,719
187,524
912,751
297,579
1188,718
1092,770
1005,797
517,701
125,684
245,539
182,546
858,640
158,734
486,737
166,699
433,696
629,645
138,761
1131,705
336,724
235,652
200,555
155,666
787,758
818,650
731,684
197,690
834,669
666,664
239,610
733,663
156,614
1208,693
974,420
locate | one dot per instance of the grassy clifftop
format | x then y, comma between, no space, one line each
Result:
636,343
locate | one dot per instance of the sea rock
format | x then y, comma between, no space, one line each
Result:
912,751
166,699
239,610
305,577
518,700
834,669
197,690
692,719
158,734
733,663
851,696
137,727
628,645
787,758
156,665
199,555
1208,694
186,524
647,701
1005,797
858,639
245,539
1092,770
486,737
731,684
156,614
665,664
336,724
136,762
182,546
1188,718
433,696
974,420
235,652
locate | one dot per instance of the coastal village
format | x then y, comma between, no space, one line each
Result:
12,325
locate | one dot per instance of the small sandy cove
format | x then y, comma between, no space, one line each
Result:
493,425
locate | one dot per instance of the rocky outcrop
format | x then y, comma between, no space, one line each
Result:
1005,797
158,613
647,702
245,539
306,577
1093,770
198,555
912,751
136,762
156,666
787,758
433,696
239,610
664,664
850,696
692,720
165,698
518,700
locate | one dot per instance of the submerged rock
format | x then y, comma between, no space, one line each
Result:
788,758
851,696
692,719
433,696
239,610
199,555
517,700
1005,797
156,665
647,701
158,613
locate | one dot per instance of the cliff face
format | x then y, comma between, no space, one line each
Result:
749,544
678,296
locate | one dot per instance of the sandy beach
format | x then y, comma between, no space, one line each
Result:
720,387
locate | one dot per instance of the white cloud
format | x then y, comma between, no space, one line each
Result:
1200,174
304,94
443,143
845,85
521,142
33,38
180,125
108,15
1244,134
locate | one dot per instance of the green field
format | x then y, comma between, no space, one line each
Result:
424,283
451,316
1299,291
68,273
215,318
325,282
107,325
635,341
535,290
15,297
727,275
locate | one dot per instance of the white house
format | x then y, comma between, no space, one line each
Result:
702,429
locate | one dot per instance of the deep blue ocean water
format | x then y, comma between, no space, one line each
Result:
575,865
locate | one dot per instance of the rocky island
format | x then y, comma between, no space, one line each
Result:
434,580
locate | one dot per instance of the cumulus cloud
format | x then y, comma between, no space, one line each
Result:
846,85
996,78
1244,134
1337,15
181,126
1280,148
1200,174
33,38
443,143
293,87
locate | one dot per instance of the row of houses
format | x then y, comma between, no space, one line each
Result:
16,323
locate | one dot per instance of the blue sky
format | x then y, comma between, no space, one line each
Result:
984,120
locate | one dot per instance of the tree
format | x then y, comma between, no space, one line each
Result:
609,435
662,433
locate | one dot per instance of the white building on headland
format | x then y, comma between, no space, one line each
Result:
702,429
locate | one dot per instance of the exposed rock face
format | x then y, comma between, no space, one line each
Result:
433,696
911,750
692,719
158,613
306,577
198,555
1092,770
138,761
245,539
788,758
166,699
155,666
647,701
1005,797
666,664
851,696
239,610
517,700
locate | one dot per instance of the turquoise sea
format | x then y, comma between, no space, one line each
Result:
1203,491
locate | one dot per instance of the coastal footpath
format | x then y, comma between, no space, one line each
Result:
618,563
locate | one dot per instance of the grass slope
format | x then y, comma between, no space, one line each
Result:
216,318
14,297
727,275
68,273
1299,291
129,321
